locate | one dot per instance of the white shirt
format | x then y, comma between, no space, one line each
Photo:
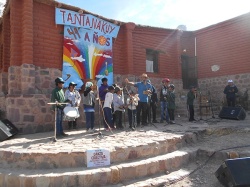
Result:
108,100
74,97
118,101
134,102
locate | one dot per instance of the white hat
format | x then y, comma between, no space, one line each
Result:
230,80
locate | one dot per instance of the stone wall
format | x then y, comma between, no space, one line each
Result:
30,113
210,90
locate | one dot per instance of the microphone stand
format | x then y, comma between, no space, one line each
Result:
211,104
100,112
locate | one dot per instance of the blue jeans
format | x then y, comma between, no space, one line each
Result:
164,110
108,117
90,120
131,117
59,119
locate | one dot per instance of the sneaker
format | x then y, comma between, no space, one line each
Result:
172,122
93,130
87,129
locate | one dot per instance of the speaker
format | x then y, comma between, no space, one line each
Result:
7,129
237,113
234,172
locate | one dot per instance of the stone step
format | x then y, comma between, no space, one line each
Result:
88,177
130,149
189,171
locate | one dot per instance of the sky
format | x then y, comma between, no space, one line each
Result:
194,14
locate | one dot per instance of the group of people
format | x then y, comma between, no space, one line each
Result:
113,104
72,99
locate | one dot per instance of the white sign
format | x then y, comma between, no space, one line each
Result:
98,157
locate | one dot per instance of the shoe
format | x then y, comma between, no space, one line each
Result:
161,121
87,129
58,136
64,134
155,121
132,128
192,120
93,130
172,122
107,129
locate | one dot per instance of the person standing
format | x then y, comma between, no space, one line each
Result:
89,106
107,109
119,107
132,102
190,102
103,89
171,103
59,97
163,100
74,98
230,91
144,89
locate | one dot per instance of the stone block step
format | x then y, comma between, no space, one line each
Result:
69,154
88,177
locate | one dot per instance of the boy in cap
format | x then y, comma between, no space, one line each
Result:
230,91
58,96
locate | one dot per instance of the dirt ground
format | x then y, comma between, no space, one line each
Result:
222,138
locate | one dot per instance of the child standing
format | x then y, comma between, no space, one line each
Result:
163,100
132,102
118,103
171,103
89,106
107,109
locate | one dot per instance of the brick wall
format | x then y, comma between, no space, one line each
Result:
225,44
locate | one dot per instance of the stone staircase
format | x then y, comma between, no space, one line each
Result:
140,158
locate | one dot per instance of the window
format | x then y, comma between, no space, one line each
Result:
151,61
